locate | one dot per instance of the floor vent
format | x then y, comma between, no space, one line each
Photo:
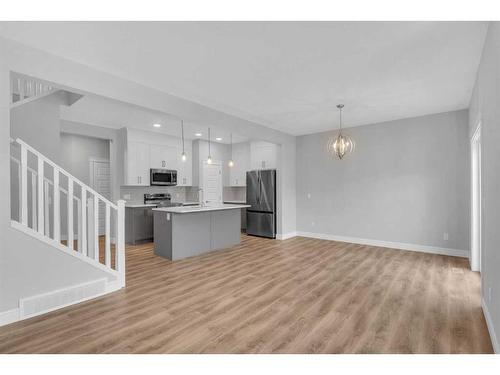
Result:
46,302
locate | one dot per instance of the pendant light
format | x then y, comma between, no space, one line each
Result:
183,155
209,160
342,144
231,162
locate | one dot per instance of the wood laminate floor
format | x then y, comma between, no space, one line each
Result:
264,296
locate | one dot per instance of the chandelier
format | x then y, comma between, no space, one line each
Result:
342,144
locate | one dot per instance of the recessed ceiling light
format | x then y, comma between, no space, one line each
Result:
198,134
218,139
157,125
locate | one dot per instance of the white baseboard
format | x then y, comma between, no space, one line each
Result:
15,315
9,316
392,245
491,329
286,236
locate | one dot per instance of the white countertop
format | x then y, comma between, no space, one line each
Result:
193,203
236,202
191,209
139,205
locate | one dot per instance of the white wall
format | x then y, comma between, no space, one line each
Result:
27,266
407,182
37,123
485,108
65,73
76,152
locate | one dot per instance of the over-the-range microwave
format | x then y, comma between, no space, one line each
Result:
163,177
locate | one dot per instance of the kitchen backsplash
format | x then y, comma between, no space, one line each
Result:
235,193
229,194
136,193
179,193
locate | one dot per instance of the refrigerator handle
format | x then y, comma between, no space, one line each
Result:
260,186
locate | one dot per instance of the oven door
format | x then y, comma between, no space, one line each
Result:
163,177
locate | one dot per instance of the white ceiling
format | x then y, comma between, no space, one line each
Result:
99,111
286,75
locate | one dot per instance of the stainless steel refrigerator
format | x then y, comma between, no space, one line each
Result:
261,196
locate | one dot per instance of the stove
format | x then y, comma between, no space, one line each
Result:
160,200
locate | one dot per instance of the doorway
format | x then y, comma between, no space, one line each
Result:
475,255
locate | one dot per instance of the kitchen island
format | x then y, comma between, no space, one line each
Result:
181,232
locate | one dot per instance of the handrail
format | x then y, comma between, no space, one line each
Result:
47,180
66,173
88,222
28,89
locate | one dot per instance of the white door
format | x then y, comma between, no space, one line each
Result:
475,259
212,183
100,181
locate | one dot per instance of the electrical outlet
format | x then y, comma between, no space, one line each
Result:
308,195
446,236
313,223
126,196
489,294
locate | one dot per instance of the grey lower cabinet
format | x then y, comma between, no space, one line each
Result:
183,235
138,224
243,215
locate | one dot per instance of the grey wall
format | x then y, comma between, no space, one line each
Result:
485,108
407,181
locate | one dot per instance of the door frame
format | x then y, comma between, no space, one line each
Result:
476,201
220,164
91,170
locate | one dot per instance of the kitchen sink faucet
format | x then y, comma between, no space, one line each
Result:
200,197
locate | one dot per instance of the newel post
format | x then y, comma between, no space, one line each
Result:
120,241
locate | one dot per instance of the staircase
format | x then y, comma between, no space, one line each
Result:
55,207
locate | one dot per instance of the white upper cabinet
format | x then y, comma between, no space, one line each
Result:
264,155
163,156
146,150
241,158
137,164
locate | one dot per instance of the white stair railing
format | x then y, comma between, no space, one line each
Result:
87,212
25,88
